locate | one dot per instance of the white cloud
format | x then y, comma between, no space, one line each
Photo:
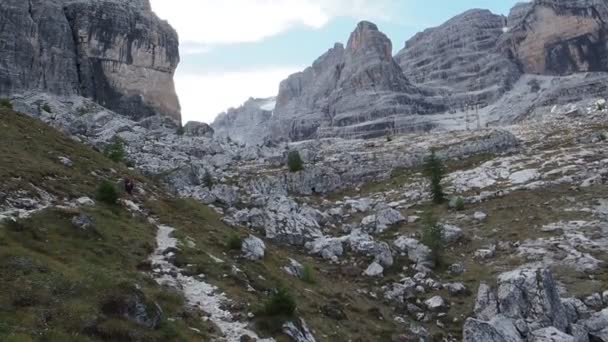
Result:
203,96
212,22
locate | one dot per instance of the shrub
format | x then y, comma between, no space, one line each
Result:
458,203
601,105
432,236
389,138
106,193
6,103
208,180
435,171
180,130
294,161
47,108
115,151
234,242
308,274
281,303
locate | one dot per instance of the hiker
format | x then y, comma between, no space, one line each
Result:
129,185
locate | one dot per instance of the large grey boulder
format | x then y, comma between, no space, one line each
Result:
531,294
116,52
498,329
198,129
418,253
253,248
550,334
486,305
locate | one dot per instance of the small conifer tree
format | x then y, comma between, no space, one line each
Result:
434,170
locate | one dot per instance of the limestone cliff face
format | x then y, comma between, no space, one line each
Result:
116,52
351,91
247,124
460,58
562,37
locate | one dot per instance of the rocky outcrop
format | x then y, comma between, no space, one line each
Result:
247,124
350,91
559,37
528,307
116,52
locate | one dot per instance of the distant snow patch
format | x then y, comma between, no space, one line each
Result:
505,29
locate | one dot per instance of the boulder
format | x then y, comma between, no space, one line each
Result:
550,334
253,248
415,251
198,129
294,268
374,270
480,331
435,304
531,294
451,233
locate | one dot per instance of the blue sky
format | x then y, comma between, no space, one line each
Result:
234,49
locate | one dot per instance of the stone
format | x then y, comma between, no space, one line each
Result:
198,129
328,248
531,294
456,269
66,161
132,304
298,331
486,304
83,222
480,216
399,292
594,301
456,289
451,233
579,332
576,309
499,329
485,253
597,322
85,202
374,270
416,252
253,248
294,268
550,334
435,304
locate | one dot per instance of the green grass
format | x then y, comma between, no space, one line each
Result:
55,279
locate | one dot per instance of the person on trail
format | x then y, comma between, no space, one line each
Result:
129,186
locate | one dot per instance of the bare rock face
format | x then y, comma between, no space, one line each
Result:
350,91
247,124
115,52
460,58
559,37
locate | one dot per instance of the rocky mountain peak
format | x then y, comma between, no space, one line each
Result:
368,41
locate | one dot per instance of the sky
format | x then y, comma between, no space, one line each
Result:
232,50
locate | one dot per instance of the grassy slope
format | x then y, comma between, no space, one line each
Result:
55,278
63,275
